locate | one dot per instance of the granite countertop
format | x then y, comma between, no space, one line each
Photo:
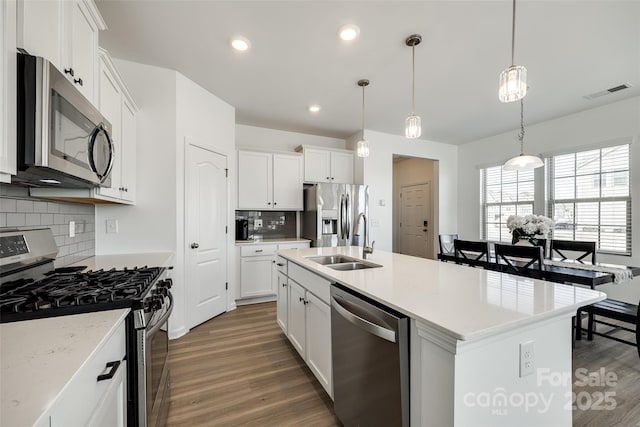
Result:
272,241
38,358
463,302
120,261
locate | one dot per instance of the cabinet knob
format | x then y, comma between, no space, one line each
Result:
269,203
79,81
284,285
126,190
332,178
305,302
275,203
301,299
274,261
328,178
69,71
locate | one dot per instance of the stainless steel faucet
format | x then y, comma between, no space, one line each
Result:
366,249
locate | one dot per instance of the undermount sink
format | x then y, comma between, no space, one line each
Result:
358,265
331,259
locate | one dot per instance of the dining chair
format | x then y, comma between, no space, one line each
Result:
583,249
521,260
471,252
446,243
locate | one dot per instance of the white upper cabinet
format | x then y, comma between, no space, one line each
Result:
128,158
66,33
327,165
110,105
268,181
7,90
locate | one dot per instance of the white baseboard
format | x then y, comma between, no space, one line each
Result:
256,300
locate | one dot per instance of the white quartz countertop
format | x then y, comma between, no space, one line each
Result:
39,357
463,302
272,241
120,261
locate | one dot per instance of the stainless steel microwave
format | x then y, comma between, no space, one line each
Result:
62,139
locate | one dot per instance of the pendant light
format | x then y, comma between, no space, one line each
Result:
523,162
362,148
413,128
513,80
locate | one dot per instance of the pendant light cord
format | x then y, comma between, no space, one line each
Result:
362,112
513,34
521,134
413,79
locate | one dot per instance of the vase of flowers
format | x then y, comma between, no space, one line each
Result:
529,227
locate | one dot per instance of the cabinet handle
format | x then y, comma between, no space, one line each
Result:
114,367
280,264
305,302
79,81
69,71
259,250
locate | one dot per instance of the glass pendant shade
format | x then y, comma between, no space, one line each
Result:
523,162
412,128
362,148
513,84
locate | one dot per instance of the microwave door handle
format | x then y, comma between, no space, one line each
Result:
340,226
112,157
347,209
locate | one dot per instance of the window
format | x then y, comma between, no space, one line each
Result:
590,198
503,194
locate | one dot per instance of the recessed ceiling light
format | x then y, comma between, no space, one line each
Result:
348,32
240,43
314,108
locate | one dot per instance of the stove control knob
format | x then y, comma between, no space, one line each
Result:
165,284
161,291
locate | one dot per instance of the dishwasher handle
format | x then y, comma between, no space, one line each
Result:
372,328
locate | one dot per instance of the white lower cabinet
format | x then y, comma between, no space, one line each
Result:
96,395
306,320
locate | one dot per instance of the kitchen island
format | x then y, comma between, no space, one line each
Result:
467,330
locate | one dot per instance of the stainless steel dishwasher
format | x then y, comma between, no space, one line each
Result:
370,351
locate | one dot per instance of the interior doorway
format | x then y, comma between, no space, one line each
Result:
415,206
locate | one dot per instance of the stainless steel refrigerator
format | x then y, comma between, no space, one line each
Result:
331,211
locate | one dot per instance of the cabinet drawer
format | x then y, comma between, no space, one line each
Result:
258,250
297,245
84,386
315,284
281,263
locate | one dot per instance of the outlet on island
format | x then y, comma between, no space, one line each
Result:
112,226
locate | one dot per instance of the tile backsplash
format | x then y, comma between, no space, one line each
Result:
19,210
275,225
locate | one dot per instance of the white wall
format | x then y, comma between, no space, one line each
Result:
204,120
598,125
272,139
377,172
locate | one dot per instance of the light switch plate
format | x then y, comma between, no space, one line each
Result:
112,226
527,360
257,223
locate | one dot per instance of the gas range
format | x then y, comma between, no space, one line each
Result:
30,288
73,291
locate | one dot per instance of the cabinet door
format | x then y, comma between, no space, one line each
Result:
7,90
111,410
282,304
110,105
287,182
297,327
318,331
128,149
256,276
255,180
341,167
40,29
317,165
80,49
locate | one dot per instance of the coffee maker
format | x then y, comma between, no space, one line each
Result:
242,229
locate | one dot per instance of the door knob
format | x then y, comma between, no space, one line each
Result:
195,246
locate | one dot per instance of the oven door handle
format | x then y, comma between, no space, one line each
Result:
156,327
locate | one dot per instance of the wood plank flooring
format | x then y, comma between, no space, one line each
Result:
240,370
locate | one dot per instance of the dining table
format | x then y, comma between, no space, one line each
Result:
557,271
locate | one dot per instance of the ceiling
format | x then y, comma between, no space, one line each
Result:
570,49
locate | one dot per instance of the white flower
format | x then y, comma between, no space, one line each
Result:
530,225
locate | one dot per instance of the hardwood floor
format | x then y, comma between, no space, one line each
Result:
240,370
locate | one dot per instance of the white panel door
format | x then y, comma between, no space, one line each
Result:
111,411
81,47
256,276
287,182
128,143
297,327
341,167
319,340
40,29
7,90
317,165
282,304
206,239
255,180
414,221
